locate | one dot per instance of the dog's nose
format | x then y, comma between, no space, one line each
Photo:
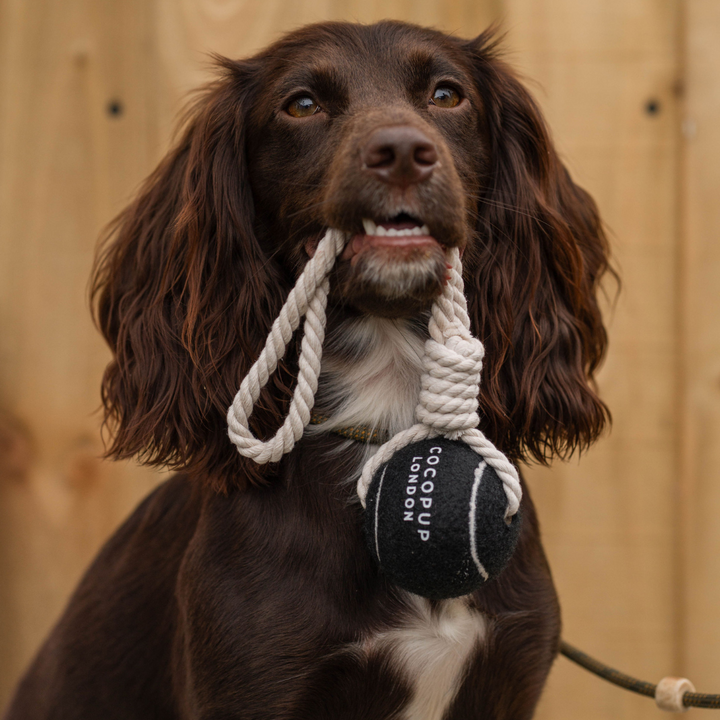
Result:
399,155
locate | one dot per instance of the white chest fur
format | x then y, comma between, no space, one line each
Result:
371,373
432,649
371,377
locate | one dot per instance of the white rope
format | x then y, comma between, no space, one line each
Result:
448,400
449,395
308,296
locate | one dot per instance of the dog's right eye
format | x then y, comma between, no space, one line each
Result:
445,97
302,107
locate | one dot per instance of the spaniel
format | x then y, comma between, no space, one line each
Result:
247,592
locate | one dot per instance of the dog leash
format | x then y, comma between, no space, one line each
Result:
671,693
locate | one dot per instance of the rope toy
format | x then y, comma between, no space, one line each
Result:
441,501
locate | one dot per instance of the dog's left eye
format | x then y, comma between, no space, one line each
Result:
302,107
445,97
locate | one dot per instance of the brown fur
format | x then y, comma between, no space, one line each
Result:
237,591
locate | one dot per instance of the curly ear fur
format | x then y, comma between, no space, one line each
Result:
533,275
184,296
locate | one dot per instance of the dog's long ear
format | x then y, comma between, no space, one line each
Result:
185,297
533,277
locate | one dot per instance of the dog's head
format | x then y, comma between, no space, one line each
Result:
374,131
409,140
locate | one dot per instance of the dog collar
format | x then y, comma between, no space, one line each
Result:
360,433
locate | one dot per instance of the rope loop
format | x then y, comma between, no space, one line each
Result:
309,296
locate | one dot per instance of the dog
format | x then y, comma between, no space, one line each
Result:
244,591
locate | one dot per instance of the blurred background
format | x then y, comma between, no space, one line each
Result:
89,94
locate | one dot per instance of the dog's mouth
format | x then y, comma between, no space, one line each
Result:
394,267
391,266
401,236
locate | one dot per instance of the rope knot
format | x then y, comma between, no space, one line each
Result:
450,384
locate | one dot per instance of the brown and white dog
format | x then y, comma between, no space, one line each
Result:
242,592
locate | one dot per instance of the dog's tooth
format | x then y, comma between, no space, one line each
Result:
424,230
392,232
370,227
380,230
417,230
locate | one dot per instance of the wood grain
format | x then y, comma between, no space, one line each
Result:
627,561
609,520
67,167
699,342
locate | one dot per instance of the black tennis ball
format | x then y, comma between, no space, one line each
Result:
436,526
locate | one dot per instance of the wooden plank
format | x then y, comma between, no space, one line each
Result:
609,520
187,33
466,19
699,340
67,166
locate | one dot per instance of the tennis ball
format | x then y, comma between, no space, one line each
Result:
435,519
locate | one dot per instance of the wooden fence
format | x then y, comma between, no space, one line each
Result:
631,88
